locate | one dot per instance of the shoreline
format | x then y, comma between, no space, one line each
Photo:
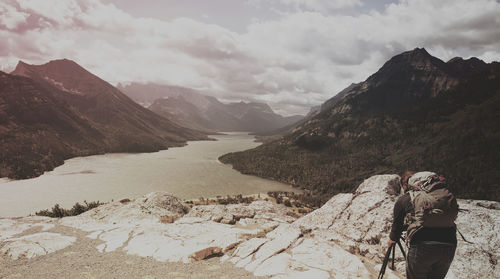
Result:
188,173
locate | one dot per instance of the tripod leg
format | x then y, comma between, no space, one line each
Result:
384,263
402,250
393,255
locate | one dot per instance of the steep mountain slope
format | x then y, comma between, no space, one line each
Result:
417,112
37,131
178,103
312,113
105,105
111,121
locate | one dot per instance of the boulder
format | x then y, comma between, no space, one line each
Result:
163,204
207,252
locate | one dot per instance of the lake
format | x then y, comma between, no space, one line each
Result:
187,172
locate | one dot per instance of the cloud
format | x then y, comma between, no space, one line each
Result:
296,60
310,5
10,17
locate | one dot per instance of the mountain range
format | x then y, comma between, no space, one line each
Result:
417,112
59,110
190,108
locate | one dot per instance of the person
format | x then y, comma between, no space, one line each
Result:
431,249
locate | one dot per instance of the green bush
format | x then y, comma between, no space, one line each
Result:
77,209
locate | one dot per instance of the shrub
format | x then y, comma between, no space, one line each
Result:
77,209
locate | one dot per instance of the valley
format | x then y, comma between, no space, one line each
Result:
189,172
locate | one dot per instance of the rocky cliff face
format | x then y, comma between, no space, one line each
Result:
343,239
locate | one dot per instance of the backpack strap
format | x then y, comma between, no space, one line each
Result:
412,228
412,195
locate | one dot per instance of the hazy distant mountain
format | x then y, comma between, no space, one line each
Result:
59,110
192,109
416,113
146,94
178,110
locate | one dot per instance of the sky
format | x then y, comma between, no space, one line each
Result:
291,54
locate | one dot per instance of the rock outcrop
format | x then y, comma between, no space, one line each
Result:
343,239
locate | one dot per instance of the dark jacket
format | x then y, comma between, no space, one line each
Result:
404,206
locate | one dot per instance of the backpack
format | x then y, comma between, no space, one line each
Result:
435,206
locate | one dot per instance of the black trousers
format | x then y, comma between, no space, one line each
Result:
429,261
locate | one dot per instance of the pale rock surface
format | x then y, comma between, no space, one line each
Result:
274,266
326,255
279,240
11,227
480,224
324,217
136,227
389,274
309,273
232,213
345,238
35,245
359,221
247,248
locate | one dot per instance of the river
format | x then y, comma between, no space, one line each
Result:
187,172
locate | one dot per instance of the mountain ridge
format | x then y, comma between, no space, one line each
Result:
212,114
77,97
417,112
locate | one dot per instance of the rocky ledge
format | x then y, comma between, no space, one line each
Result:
343,239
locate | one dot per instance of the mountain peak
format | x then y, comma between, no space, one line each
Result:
21,69
420,50
418,57
63,61
65,75
462,66
64,66
21,63
401,65
60,66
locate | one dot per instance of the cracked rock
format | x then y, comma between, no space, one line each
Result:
34,245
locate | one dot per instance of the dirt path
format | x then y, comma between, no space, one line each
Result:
82,261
